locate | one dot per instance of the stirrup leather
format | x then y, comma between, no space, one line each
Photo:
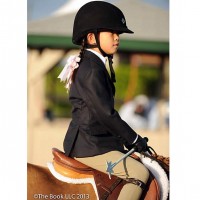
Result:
136,182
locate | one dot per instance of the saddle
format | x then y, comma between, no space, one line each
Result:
107,189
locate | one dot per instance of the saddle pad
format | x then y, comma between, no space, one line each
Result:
159,174
72,179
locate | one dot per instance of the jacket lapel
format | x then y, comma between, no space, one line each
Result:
100,63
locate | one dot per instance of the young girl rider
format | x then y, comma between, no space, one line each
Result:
96,133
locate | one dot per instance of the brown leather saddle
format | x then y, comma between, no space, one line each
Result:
108,189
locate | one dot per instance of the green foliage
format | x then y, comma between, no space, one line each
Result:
148,81
57,96
122,77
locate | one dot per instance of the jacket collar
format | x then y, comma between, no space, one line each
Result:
95,58
99,55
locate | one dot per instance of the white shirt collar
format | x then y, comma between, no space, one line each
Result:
99,55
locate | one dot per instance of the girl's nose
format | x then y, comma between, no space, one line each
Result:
116,36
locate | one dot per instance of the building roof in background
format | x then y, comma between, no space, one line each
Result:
149,22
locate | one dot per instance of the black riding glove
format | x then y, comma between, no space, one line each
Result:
140,144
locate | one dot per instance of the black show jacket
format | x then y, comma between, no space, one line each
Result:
96,127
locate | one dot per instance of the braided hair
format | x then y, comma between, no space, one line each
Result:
83,46
81,55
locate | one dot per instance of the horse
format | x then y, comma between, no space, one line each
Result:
54,181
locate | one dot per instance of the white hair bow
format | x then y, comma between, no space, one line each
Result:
68,70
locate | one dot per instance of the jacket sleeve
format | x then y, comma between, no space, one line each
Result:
99,99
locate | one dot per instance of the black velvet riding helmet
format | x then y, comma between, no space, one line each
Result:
97,16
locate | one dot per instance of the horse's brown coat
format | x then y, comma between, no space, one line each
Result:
43,185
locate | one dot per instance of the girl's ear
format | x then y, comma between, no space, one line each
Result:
91,38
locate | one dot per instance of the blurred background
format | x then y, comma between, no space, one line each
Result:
141,66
